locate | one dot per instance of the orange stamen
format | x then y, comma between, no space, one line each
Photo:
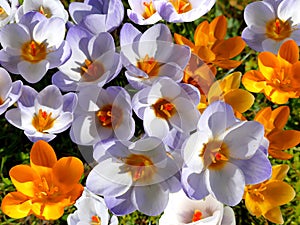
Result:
197,216
149,9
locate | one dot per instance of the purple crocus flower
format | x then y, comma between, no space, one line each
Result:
177,11
166,105
224,155
148,56
134,176
9,91
97,15
93,60
270,23
33,46
101,115
43,115
8,11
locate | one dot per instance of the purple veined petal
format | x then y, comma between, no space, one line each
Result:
50,97
256,169
254,40
61,123
101,149
51,31
191,151
244,140
91,98
115,15
94,23
155,126
30,19
36,136
33,73
288,10
129,34
272,46
28,96
16,92
226,185
120,205
192,92
175,139
139,102
108,182
228,216
264,146
60,55
69,102
9,39
150,199
5,84
166,10
101,44
63,82
194,184
257,15
135,81
126,129
9,62
79,10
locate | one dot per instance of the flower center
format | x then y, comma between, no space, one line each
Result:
33,52
197,215
149,65
91,71
281,80
255,191
181,6
3,14
42,121
164,109
45,11
149,9
140,167
44,190
96,220
214,155
278,29
108,117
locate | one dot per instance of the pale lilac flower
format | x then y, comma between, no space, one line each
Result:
49,8
270,23
9,91
182,210
7,11
101,115
93,60
42,115
177,11
97,15
33,46
134,176
166,105
91,209
150,55
143,12
224,155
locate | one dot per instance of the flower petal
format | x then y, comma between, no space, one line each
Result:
239,99
289,51
42,155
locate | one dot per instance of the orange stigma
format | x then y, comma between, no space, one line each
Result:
197,215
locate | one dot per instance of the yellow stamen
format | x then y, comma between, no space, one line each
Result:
33,51
43,121
105,116
164,109
278,29
149,65
181,6
91,71
3,14
149,9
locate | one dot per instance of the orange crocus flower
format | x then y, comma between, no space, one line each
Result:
265,198
211,46
278,76
274,122
45,186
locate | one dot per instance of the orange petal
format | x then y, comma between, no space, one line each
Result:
179,39
49,210
285,139
16,205
252,204
215,92
218,27
254,81
206,54
289,51
295,75
68,171
263,116
232,81
42,155
267,63
229,48
239,99
279,172
201,34
274,215
227,64
278,96
280,116
23,178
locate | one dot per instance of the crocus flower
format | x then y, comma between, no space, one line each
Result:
264,199
224,155
280,139
49,8
177,11
9,91
7,11
101,115
182,210
167,105
143,12
33,46
93,61
211,45
270,23
45,187
97,15
148,56
43,115
278,76
91,209
134,175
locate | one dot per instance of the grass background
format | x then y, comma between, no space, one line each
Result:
15,147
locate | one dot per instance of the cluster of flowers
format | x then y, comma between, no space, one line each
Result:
197,151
